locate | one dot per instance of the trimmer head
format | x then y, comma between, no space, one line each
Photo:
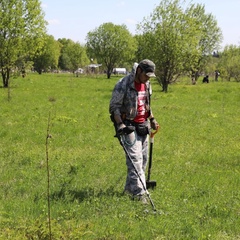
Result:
151,184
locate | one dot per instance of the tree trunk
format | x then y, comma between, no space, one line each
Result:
165,86
164,83
108,74
5,77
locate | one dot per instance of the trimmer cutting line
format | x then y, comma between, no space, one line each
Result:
151,183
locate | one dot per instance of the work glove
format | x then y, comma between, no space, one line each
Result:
123,129
120,128
154,124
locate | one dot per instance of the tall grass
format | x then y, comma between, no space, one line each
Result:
195,162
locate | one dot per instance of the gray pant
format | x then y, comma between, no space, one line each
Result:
137,148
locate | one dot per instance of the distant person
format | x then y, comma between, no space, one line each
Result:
205,79
217,74
130,110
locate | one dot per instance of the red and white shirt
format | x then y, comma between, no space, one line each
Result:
142,113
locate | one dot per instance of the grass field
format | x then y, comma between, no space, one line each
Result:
196,162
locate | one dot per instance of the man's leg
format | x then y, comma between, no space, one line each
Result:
135,152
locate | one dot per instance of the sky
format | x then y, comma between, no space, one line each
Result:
73,19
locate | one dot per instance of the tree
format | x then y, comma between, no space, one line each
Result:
111,45
229,62
22,28
211,66
165,37
209,37
73,55
47,57
177,39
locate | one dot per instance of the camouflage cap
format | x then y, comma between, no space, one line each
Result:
148,67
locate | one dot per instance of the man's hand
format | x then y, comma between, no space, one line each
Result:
120,128
123,129
154,124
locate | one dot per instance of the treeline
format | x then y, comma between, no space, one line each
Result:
62,54
182,39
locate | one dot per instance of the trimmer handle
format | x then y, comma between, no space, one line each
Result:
154,132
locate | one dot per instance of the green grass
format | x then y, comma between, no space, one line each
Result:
196,162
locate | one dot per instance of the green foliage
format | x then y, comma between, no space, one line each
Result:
205,29
22,29
229,63
177,39
73,55
47,57
111,45
195,162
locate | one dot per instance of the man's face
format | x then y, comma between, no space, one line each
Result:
141,76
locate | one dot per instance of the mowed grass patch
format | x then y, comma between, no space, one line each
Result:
195,162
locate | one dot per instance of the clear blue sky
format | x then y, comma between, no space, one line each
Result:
73,19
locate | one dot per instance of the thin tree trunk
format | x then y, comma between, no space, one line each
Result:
165,86
5,77
108,74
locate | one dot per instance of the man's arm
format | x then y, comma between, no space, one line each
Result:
116,104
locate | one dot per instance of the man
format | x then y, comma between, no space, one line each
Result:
132,116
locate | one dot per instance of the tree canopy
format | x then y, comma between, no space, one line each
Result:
73,55
22,28
47,57
229,63
177,39
111,45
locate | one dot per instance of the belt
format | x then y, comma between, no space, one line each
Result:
128,121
